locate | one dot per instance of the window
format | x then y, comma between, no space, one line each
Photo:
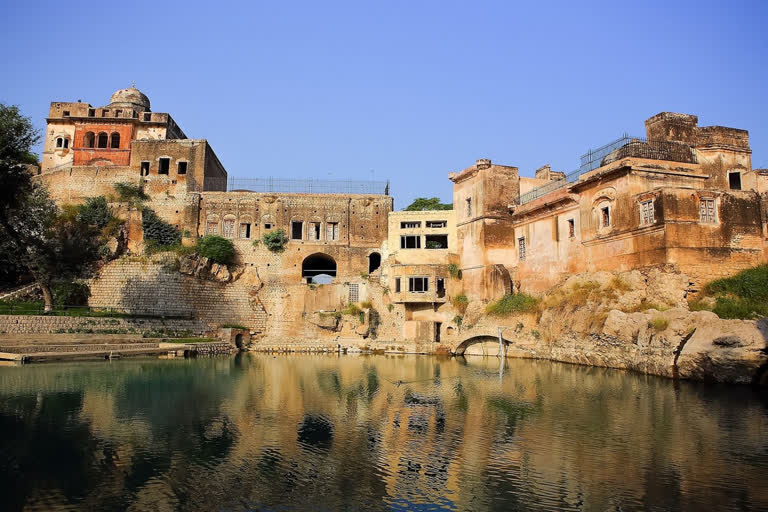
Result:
66,113
101,141
228,228
181,168
314,231
707,211
469,207
418,284
91,112
734,180
410,242
245,230
440,287
267,225
332,231
436,241
437,223
646,213
521,248
164,166
147,116
410,225
59,142
145,168
66,143
605,216
397,285
354,293
297,229
118,113
212,228
88,140
571,228
114,140
104,112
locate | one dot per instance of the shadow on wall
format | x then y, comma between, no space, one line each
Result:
151,297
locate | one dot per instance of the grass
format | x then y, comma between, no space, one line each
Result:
658,323
366,304
192,340
508,304
235,326
460,302
743,296
699,305
645,306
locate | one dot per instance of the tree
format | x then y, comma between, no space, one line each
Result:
423,203
216,248
49,243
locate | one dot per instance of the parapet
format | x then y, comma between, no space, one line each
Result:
672,127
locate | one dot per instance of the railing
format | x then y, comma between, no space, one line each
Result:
38,308
299,186
624,147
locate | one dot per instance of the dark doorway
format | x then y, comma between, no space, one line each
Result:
318,264
239,341
438,325
374,262
734,180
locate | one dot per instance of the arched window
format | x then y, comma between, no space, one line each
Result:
101,141
59,142
66,143
88,140
228,226
114,140
318,268
374,262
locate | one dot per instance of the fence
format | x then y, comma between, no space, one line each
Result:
298,186
623,147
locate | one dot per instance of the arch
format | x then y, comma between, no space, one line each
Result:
88,140
316,265
374,262
212,224
228,226
482,338
114,140
59,142
239,341
101,140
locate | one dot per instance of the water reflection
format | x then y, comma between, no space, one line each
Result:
373,433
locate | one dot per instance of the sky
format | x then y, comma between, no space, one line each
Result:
407,91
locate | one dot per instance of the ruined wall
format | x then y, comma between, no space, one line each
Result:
31,324
74,184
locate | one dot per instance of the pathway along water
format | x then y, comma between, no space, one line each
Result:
257,432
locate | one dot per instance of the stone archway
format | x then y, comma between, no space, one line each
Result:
374,262
481,338
318,267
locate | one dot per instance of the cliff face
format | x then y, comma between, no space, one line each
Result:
639,320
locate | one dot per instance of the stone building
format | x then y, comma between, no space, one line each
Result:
683,195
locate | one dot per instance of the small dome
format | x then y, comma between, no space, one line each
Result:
130,97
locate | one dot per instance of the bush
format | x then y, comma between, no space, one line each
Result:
158,234
95,211
458,320
275,240
71,294
460,302
747,284
366,305
216,248
658,323
454,271
352,310
508,304
130,193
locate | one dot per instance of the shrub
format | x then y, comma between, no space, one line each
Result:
216,248
460,302
390,307
508,304
158,234
366,305
748,284
458,320
454,271
275,240
130,193
71,294
365,275
352,310
95,211
658,323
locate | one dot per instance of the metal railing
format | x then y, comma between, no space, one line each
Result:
623,147
300,186
38,308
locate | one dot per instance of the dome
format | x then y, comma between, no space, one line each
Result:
130,97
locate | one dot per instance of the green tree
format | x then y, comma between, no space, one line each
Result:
50,244
422,203
275,240
216,248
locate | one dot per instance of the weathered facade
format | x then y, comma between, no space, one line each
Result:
685,196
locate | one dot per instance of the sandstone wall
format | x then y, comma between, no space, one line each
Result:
31,324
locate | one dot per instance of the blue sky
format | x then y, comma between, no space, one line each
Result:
408,91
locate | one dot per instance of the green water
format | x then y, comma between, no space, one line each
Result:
256,432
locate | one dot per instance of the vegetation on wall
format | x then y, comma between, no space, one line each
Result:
216,248
158,234
130,193
454,271
275,240
460,302
744,295
508,304
423,204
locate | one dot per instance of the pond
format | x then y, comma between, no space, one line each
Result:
303,432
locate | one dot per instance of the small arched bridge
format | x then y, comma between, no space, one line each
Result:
481,336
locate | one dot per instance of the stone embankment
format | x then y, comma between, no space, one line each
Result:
43,324
638,321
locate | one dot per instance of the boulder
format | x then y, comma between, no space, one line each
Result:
220,273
